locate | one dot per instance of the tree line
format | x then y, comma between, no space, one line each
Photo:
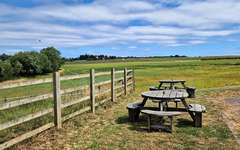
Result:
30,63
92,57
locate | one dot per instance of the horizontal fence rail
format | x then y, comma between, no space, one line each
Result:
103,91
7,85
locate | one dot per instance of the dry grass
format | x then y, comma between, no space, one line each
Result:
110,129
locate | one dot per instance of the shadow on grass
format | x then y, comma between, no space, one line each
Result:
141,124
184,123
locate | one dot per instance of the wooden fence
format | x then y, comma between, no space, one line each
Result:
127,83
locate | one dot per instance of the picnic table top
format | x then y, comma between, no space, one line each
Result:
172,81
165,94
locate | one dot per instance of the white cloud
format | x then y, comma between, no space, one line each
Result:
108,22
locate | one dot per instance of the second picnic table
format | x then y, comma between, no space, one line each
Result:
171,84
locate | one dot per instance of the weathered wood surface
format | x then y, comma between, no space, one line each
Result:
24,101
57,100
161,113
134,105
165,94
25,118
133,77
102,74
75,101
6,85
92,90
25,136
57,94
16,103
113,84
125,81
119,87
197,108
103,83
172,81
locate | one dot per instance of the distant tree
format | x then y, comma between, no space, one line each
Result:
4,57
28,63
54,56
6,70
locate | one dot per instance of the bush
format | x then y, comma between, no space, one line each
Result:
6,70
54,56
30,63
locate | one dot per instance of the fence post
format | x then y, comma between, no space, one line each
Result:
92,89
113,84
57,100
125,81
133,79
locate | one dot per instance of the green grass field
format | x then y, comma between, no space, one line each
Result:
203,74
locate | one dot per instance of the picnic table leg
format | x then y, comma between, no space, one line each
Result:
183,84
161,106
149,123
144,101
171,123
187,108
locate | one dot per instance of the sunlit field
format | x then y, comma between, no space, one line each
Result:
210,77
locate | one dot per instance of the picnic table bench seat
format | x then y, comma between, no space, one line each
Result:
169,114
197,109
134,111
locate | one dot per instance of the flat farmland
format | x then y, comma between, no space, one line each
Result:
215,80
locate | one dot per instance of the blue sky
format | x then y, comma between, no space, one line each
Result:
122,27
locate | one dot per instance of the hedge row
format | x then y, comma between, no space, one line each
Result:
30,63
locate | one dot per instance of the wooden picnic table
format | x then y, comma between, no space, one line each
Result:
164,96
172,83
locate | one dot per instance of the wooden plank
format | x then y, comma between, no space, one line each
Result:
161,113
102,73
28,100
72,77
57,100
129,83
7,85
118,87
103,83
197,108
88,108
75,102
125,81
25,136
173,94
24,119
24,101
166,93
119,94
133,79
118,72
119,79
92,90
69,90
113,84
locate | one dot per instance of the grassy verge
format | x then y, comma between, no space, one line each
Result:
110,129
